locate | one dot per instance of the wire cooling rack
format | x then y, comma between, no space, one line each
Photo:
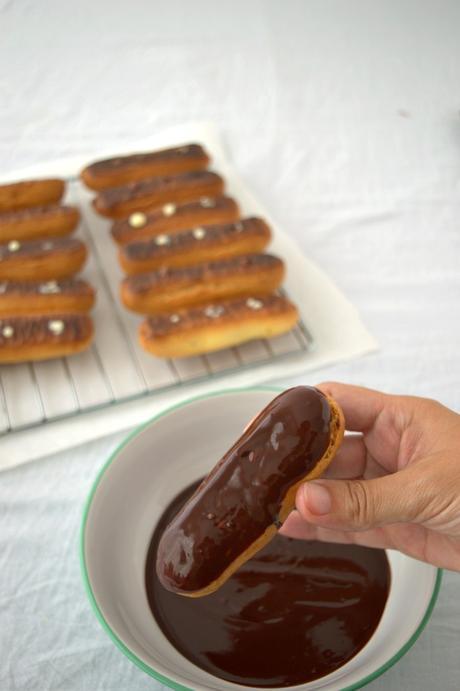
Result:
115,369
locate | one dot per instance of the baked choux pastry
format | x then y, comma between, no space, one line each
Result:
41,260
200,330
240,505
46,297
201,244
38,222
24,339
170,289
119,202
113,172
173,218
27,193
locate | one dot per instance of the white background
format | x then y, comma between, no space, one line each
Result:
344,118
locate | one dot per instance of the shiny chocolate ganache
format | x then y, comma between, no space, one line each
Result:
293,613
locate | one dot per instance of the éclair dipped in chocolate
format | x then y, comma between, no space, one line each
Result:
237,509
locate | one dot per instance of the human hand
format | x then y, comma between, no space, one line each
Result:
394,485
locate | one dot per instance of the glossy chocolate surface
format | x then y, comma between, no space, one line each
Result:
293,613
243,495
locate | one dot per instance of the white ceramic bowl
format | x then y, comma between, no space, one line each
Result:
129,495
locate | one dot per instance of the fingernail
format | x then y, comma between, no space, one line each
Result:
317,498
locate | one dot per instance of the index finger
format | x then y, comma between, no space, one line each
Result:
361,407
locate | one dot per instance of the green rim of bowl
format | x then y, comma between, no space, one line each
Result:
119,643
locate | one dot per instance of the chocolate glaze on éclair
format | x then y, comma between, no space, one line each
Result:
244,495
200,244
172,218
121,169
118,202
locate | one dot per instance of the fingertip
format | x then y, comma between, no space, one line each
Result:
313,499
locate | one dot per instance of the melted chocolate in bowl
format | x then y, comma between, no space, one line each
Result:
294,612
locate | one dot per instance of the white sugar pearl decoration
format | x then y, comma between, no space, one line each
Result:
169,209
49,288
161,240
14,246
47,246
183,149
254,304
7,331
207,202
174,318
3,287
239,227
56,326
198,233
214,311
137,220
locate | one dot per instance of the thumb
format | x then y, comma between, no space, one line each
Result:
359,504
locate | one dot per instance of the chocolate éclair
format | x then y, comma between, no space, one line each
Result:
24,339
119,202
27,193
46,297
173,218
211,327
249,493
112,172
200,244
49,221
169,289
41,260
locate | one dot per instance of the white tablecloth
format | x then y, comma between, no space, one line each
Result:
344,117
